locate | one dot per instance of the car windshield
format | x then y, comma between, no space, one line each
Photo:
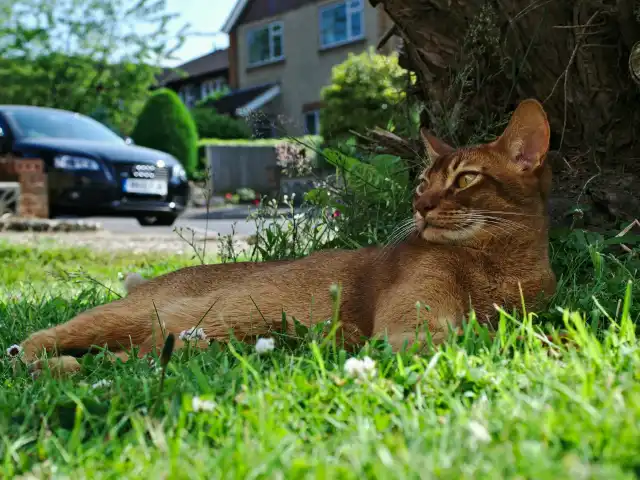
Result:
39,123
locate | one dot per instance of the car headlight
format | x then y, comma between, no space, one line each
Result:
71,162
178,173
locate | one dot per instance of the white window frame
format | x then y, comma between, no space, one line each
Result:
272,58
349,11
316,121
187,96
206,88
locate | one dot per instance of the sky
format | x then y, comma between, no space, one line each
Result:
205,16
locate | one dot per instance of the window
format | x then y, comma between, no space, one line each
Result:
265,44
312,122
187,94
341,22
211,86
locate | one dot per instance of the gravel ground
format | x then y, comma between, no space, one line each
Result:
134,243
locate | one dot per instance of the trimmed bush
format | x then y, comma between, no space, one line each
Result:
365,91
166,125
211,124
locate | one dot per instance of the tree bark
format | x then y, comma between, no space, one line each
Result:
476,59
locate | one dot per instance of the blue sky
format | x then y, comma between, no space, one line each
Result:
205,16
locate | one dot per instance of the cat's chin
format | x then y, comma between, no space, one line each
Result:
433,234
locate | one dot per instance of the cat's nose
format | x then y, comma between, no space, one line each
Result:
426,203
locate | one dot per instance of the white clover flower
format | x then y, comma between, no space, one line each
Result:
265,345
479,432
361,369
101,384
14,350
199,405
193,334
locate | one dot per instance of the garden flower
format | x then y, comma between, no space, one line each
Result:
101,384
265,345
193,334
199,405
479,432
356,368
14,350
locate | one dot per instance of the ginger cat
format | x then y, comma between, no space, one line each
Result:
480,234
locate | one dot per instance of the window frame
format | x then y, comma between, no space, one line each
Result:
211,86
187,94
349,11
316,121
270,27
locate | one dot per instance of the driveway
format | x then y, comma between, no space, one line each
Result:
220,221
200,225
121,233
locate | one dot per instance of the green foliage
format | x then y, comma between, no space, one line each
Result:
85,56
366,91
211,124
371,195
166,125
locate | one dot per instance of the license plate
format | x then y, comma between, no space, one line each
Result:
147,187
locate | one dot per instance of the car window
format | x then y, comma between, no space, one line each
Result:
38,123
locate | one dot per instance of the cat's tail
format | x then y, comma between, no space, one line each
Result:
132,280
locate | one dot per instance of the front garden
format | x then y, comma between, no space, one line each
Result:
518,404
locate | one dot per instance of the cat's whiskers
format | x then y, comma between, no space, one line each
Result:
509,224
400,233
515,214
505,226
495,219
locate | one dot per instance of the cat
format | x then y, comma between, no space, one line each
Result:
480,239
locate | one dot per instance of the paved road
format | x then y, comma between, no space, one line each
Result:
192,218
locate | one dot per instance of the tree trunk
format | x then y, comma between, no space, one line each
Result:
476,59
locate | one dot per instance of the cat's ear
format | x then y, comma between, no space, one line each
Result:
526,138
435,148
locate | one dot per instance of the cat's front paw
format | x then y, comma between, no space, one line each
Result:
58,366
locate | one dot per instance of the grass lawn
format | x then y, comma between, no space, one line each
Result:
517,406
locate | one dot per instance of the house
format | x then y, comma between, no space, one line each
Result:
281,53
198,78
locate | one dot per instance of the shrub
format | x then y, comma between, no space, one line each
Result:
211,124
365,92
166,125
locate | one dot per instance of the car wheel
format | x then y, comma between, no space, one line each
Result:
159,220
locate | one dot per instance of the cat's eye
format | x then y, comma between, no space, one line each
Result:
464,180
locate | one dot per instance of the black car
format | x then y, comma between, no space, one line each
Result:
93,171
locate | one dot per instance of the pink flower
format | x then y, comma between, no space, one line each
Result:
228,196
336,214
256,202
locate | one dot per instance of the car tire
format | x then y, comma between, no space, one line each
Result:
158,220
